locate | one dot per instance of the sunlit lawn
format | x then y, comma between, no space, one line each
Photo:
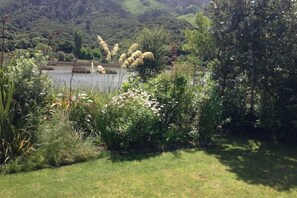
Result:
235,168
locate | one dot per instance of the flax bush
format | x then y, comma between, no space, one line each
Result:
23,93
13,142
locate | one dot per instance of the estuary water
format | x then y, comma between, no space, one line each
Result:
61,77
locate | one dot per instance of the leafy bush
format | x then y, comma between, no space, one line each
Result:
189,113
86,53
24,92
32,88
209,107
81,113
44,48
97,53
177,109
128,121
61,56
70,57
66,46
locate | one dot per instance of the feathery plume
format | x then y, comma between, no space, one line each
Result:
115,50
133,48
137,62
104,46
108,56
136,54
123,57
148,56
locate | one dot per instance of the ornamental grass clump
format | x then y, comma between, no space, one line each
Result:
133,48
123,57
110,54
129,121
134,57
58,143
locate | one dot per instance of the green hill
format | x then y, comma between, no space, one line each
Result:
114,20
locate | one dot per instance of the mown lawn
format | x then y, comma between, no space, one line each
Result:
233,168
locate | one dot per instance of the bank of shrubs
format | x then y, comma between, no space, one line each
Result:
41,128
32,133
167,112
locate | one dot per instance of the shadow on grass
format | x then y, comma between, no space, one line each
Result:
139,155
132,156
265,164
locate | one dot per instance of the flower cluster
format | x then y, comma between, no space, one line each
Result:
139,97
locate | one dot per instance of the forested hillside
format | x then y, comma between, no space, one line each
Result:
115,20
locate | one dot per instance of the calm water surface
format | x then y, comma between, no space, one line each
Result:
104,82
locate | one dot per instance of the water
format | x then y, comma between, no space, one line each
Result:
61,77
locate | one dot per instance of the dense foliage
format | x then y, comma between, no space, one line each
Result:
128,121
24,91
187,114
255,51
154,40
34,134
113,19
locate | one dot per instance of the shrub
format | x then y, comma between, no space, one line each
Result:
32,88
155,41
209,108
128,121
86,53
70,57
81,113
24,92
97,53
61,56
66,46
177,109
44,48
189,113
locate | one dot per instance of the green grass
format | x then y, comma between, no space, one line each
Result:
235,168
188,17
136,7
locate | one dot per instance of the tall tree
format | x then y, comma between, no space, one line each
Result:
257,44
200,43
78,39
